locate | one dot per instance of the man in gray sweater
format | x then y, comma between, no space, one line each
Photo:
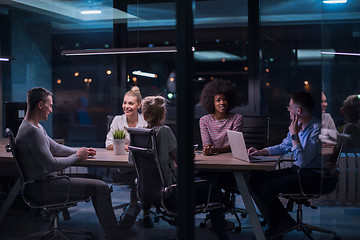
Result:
37,152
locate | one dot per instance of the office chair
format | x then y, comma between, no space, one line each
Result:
151,187
230,208
52,208
329,181
256,134
256,131
127,176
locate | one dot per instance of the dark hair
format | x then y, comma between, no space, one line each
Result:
153,109
35,95
304,99
351,108
218,86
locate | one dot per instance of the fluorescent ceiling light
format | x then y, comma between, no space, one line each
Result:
144,74
6,59
72,9
113,51
310,54
91,12
341,53
212,56
334,1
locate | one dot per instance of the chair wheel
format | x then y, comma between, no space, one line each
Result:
202,225
243,215
263,223
156,219
238,229
337,238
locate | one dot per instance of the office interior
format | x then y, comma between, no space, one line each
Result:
89,53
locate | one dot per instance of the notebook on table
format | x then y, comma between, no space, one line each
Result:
239,151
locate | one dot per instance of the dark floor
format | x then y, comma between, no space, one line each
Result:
19,222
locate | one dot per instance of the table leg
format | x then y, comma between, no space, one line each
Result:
9,199
249,205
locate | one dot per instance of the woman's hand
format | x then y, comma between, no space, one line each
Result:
208,149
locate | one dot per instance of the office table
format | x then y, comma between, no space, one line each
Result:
220,162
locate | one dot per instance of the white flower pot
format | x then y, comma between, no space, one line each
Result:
119,146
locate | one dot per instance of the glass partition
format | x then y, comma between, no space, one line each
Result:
304,45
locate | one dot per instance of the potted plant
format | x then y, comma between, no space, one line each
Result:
119,141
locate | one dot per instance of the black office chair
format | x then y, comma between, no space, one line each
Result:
151,187
328,184
256,131
52,208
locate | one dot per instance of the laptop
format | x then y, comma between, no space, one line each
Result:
239,151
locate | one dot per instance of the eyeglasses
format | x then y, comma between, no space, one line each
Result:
290,107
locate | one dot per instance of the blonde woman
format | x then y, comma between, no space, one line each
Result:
131,117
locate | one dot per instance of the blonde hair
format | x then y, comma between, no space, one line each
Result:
135,92
153,109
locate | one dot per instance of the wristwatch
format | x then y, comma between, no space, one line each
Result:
294,137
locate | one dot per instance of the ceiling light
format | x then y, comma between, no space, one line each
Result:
212,56
6,58
91,12
109,51
334,1
144,74
311,54
342,53
71,9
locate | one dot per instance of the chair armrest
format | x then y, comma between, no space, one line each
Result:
48,180
282,160
133,148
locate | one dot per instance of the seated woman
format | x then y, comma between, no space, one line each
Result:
131,117
351,134
351,111
153,108
218,97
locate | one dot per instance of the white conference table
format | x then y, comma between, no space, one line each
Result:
219,162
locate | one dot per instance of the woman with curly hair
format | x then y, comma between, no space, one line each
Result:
218,97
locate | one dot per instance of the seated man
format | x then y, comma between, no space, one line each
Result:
37,150
303,140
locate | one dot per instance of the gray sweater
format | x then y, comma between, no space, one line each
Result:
37,151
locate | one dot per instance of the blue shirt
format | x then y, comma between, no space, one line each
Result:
307,154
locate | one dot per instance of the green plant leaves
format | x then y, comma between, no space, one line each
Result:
119,134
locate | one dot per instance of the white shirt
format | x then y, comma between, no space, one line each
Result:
119,122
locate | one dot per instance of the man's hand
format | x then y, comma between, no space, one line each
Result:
254,152
295,127
91,151
208,149
82,153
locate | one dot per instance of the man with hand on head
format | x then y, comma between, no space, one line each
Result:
42,158
303,140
